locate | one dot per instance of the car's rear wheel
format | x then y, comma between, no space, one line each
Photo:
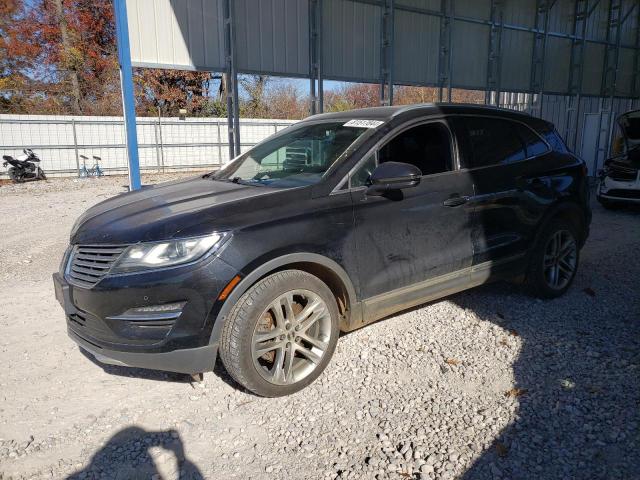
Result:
554,260
281,333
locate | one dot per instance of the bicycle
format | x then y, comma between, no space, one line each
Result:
94,171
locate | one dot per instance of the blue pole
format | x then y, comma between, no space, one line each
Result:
126,84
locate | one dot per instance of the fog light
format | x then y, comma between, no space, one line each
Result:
165,312
167,307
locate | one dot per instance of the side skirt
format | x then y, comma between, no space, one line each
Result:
388,303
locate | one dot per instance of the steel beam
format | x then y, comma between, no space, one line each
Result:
312,57
444,58
635,88
319,53
539,51
609,77
628,14
494,61
386,53
612,50
478,21
315,61
231,79
128,99
576,70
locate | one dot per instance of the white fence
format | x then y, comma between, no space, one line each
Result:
164,143
199,143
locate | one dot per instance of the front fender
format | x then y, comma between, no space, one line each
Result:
275,264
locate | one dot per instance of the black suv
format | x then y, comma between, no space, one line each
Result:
336,222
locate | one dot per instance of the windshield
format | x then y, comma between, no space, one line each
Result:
293,159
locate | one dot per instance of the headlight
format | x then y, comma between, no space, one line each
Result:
165,254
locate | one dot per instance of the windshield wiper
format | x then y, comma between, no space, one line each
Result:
241,181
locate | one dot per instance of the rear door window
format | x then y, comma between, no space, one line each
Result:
534,144
554,139
492,141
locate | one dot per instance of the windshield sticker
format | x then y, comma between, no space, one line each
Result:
363,123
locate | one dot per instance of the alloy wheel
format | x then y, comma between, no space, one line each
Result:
560,259
291,337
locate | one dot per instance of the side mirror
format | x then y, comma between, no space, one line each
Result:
390,176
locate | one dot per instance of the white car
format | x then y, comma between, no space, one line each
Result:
620,178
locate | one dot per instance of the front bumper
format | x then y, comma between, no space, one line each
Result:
186,360
97,320
619,191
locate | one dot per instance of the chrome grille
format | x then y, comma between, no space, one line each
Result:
621,172
89,263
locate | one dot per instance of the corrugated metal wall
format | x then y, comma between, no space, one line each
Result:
272,37
517,49
424,32
555,110
351,33
184,34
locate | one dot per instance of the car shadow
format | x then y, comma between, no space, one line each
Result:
576,376
633,208
576,383
134,453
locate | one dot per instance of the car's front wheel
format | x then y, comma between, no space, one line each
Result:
281,333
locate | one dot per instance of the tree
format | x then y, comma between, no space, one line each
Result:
403,95
284,101
253,87
60,56
15,58
350,96
172,90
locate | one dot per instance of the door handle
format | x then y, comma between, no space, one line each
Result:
455,201
537,184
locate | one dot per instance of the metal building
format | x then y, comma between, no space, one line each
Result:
574,62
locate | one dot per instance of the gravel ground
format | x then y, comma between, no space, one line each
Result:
487,384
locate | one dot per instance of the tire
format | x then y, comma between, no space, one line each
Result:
41,174
254,326
14,176
540,279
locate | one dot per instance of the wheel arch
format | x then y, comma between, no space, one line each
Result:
326,269
568,210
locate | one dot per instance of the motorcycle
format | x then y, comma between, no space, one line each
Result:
25,168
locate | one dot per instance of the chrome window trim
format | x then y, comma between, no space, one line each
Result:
392,134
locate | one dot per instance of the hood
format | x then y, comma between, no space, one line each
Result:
630,127
626,144
170,210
